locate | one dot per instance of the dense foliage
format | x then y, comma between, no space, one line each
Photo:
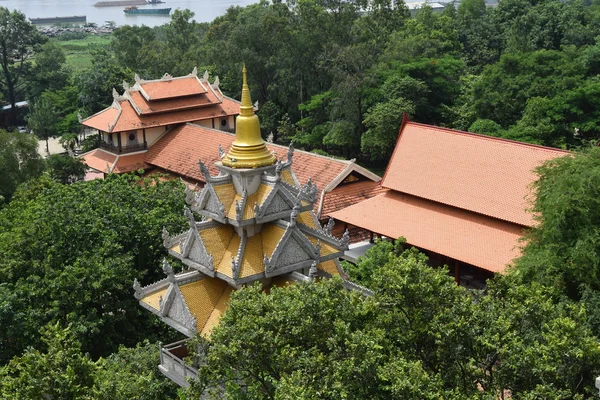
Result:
420,336
70,253
19,162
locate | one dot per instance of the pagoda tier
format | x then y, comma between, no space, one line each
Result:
251,222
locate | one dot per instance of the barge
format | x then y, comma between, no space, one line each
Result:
133,10
75,19
120,3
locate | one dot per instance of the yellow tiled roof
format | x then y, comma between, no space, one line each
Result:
226,194
202,297
216,240
152,300
326,248
329,267
271,235
218,311
224,264
286,176
252,261
258,197
305,218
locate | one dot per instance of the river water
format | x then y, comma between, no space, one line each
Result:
205,10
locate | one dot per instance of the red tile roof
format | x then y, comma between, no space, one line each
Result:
174,104
128,119
348,194
98,159
472,238
479,173
179,150
130,162
178,87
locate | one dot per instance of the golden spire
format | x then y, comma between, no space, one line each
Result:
248,149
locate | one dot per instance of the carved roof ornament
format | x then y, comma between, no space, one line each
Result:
290,154
294,215
310,191
329,227
221,152
115,94
126,86
278,169
190,217
204,171
216,83
318,247
137,78
168,270
190,195
205,76
166,76
166,238
194,72
138,289
345,239
312,272
267,263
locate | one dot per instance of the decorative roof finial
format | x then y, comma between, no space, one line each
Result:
312,272
248,149
168,270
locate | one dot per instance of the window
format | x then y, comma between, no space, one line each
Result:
223,122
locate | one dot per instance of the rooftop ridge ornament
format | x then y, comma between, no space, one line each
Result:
205,76
312,272
168,270
166,76
137,78
248,150
126,85
221,152
194,72
204,170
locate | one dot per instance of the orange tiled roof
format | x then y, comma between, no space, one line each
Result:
173,104
346,195
479,173
472,238
128,119
98,158
165,89
179,150
130,162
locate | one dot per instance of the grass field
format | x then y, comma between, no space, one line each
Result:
78,50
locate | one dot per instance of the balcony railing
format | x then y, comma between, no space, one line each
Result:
130,148
172,364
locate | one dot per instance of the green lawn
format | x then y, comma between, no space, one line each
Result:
78,50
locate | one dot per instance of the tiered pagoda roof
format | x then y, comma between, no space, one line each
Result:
165,101
256,224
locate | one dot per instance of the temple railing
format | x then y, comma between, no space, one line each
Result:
130,148
172,363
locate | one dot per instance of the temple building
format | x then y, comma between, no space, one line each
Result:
256,224
145,111
169,124
462,198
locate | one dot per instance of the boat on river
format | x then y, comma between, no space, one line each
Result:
75,19
120,3
133,10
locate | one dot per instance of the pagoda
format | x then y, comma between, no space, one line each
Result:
256,224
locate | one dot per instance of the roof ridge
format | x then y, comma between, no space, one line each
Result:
347,162
491,138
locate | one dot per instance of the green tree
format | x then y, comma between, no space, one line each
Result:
71,253
131,373
49,71
18,37
66,169
418,336
562,251
61,371
42,120
19,162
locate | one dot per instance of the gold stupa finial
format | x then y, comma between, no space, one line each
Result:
248,149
